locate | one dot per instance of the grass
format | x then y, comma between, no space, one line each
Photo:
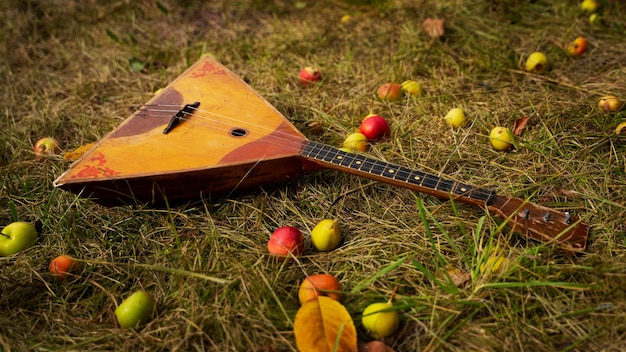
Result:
68,75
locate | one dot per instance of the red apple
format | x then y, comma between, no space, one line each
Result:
374,127
286,241
390,92
309,75
577,47
319,285
61,266
46,146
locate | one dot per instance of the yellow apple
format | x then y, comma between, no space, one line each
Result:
536,62
412,88
501,138
589,6
326,235
380,319
45,147
609,103
456,118
355,141
595,19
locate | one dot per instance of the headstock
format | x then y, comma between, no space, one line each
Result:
542,223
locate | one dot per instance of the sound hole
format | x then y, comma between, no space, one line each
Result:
238,132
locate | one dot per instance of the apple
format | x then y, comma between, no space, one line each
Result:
286,241
374,127
309,75
595,19
61,266
536,62
355,141
380,319
455,118
501,138
319,285
46,146
326,235
390,92
589,6
16,237
412,88
609,103
135,310
577,47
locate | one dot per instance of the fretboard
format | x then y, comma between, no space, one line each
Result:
359,164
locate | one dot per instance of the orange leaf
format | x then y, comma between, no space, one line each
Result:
434,27
520,125
77,153
324,325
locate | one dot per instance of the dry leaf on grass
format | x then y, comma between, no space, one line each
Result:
323,323
520,125
459,277
434,27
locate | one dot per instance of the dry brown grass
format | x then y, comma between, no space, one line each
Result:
67,75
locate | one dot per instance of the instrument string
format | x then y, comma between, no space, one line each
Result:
283,139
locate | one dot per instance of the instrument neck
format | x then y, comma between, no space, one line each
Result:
364,166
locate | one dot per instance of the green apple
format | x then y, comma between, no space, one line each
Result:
455,118
135,310
326,235
500,138
537,62
380,319
16,237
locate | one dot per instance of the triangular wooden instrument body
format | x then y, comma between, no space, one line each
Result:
229,139
233,141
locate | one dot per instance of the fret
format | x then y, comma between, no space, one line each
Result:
416,177
313,149
324,152
364,164
343,158
445,185
463,189
430,181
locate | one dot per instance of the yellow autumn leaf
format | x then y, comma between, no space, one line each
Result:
77,153
324,325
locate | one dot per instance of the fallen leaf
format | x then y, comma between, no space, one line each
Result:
458,276
434,27
520,125
621,129
324,325
77,153
315,127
